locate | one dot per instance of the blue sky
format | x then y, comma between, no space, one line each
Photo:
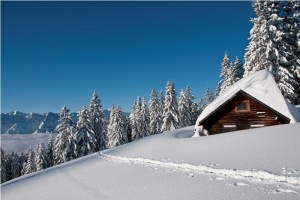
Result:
57,53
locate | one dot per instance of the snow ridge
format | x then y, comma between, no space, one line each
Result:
258,176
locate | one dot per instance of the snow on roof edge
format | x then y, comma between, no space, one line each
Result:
260,85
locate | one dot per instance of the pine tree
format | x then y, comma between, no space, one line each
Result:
262,51
49,152
185,115
23,160
3,167
8,167
155,113
289,70
192,106
135,119
85,138
170,116
238,70
30,165
117,128
208,97
273,44
98,121
218,89
145,119
226,75
64,143
40,157
201,105
16,166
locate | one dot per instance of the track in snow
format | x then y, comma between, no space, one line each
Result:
257,176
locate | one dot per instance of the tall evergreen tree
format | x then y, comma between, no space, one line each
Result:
145,119
40,157
30,165
170,116
135,119
263,49
185,115
85,138
273,45
161,106
8,167
208,97
226,75
49,152
289,70
98,121
238,70
64,140
201,105
192,106
155,113
117,128
3,167
16,166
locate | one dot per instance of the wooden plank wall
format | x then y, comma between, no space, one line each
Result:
243,119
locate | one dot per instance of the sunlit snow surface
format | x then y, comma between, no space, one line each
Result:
261,163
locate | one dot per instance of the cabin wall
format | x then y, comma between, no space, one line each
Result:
227,116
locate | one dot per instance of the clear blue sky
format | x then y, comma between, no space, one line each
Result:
57,53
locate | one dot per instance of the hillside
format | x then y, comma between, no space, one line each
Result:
259,163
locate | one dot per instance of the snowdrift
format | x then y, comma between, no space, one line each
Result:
259,163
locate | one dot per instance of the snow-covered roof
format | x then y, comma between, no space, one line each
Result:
260,85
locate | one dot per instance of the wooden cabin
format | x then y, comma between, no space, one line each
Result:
242,112
253,102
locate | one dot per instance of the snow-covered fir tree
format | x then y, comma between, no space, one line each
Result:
185,115
135,119
49,152
98,121
145,119
117,128
193,107
218,89
3,167
170,115
273,44
8,167
16,166
85,137
155,113
208,97
262,51
132,117
23,160
64,144
289,71
161,105
226,75
40,157
30,165
238,69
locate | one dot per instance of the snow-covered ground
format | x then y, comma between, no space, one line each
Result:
260,163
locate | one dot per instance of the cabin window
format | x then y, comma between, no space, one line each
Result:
242,106
229,128
256,125
261,114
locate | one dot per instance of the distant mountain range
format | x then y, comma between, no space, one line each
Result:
25,123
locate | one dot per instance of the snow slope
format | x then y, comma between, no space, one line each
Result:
259,163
